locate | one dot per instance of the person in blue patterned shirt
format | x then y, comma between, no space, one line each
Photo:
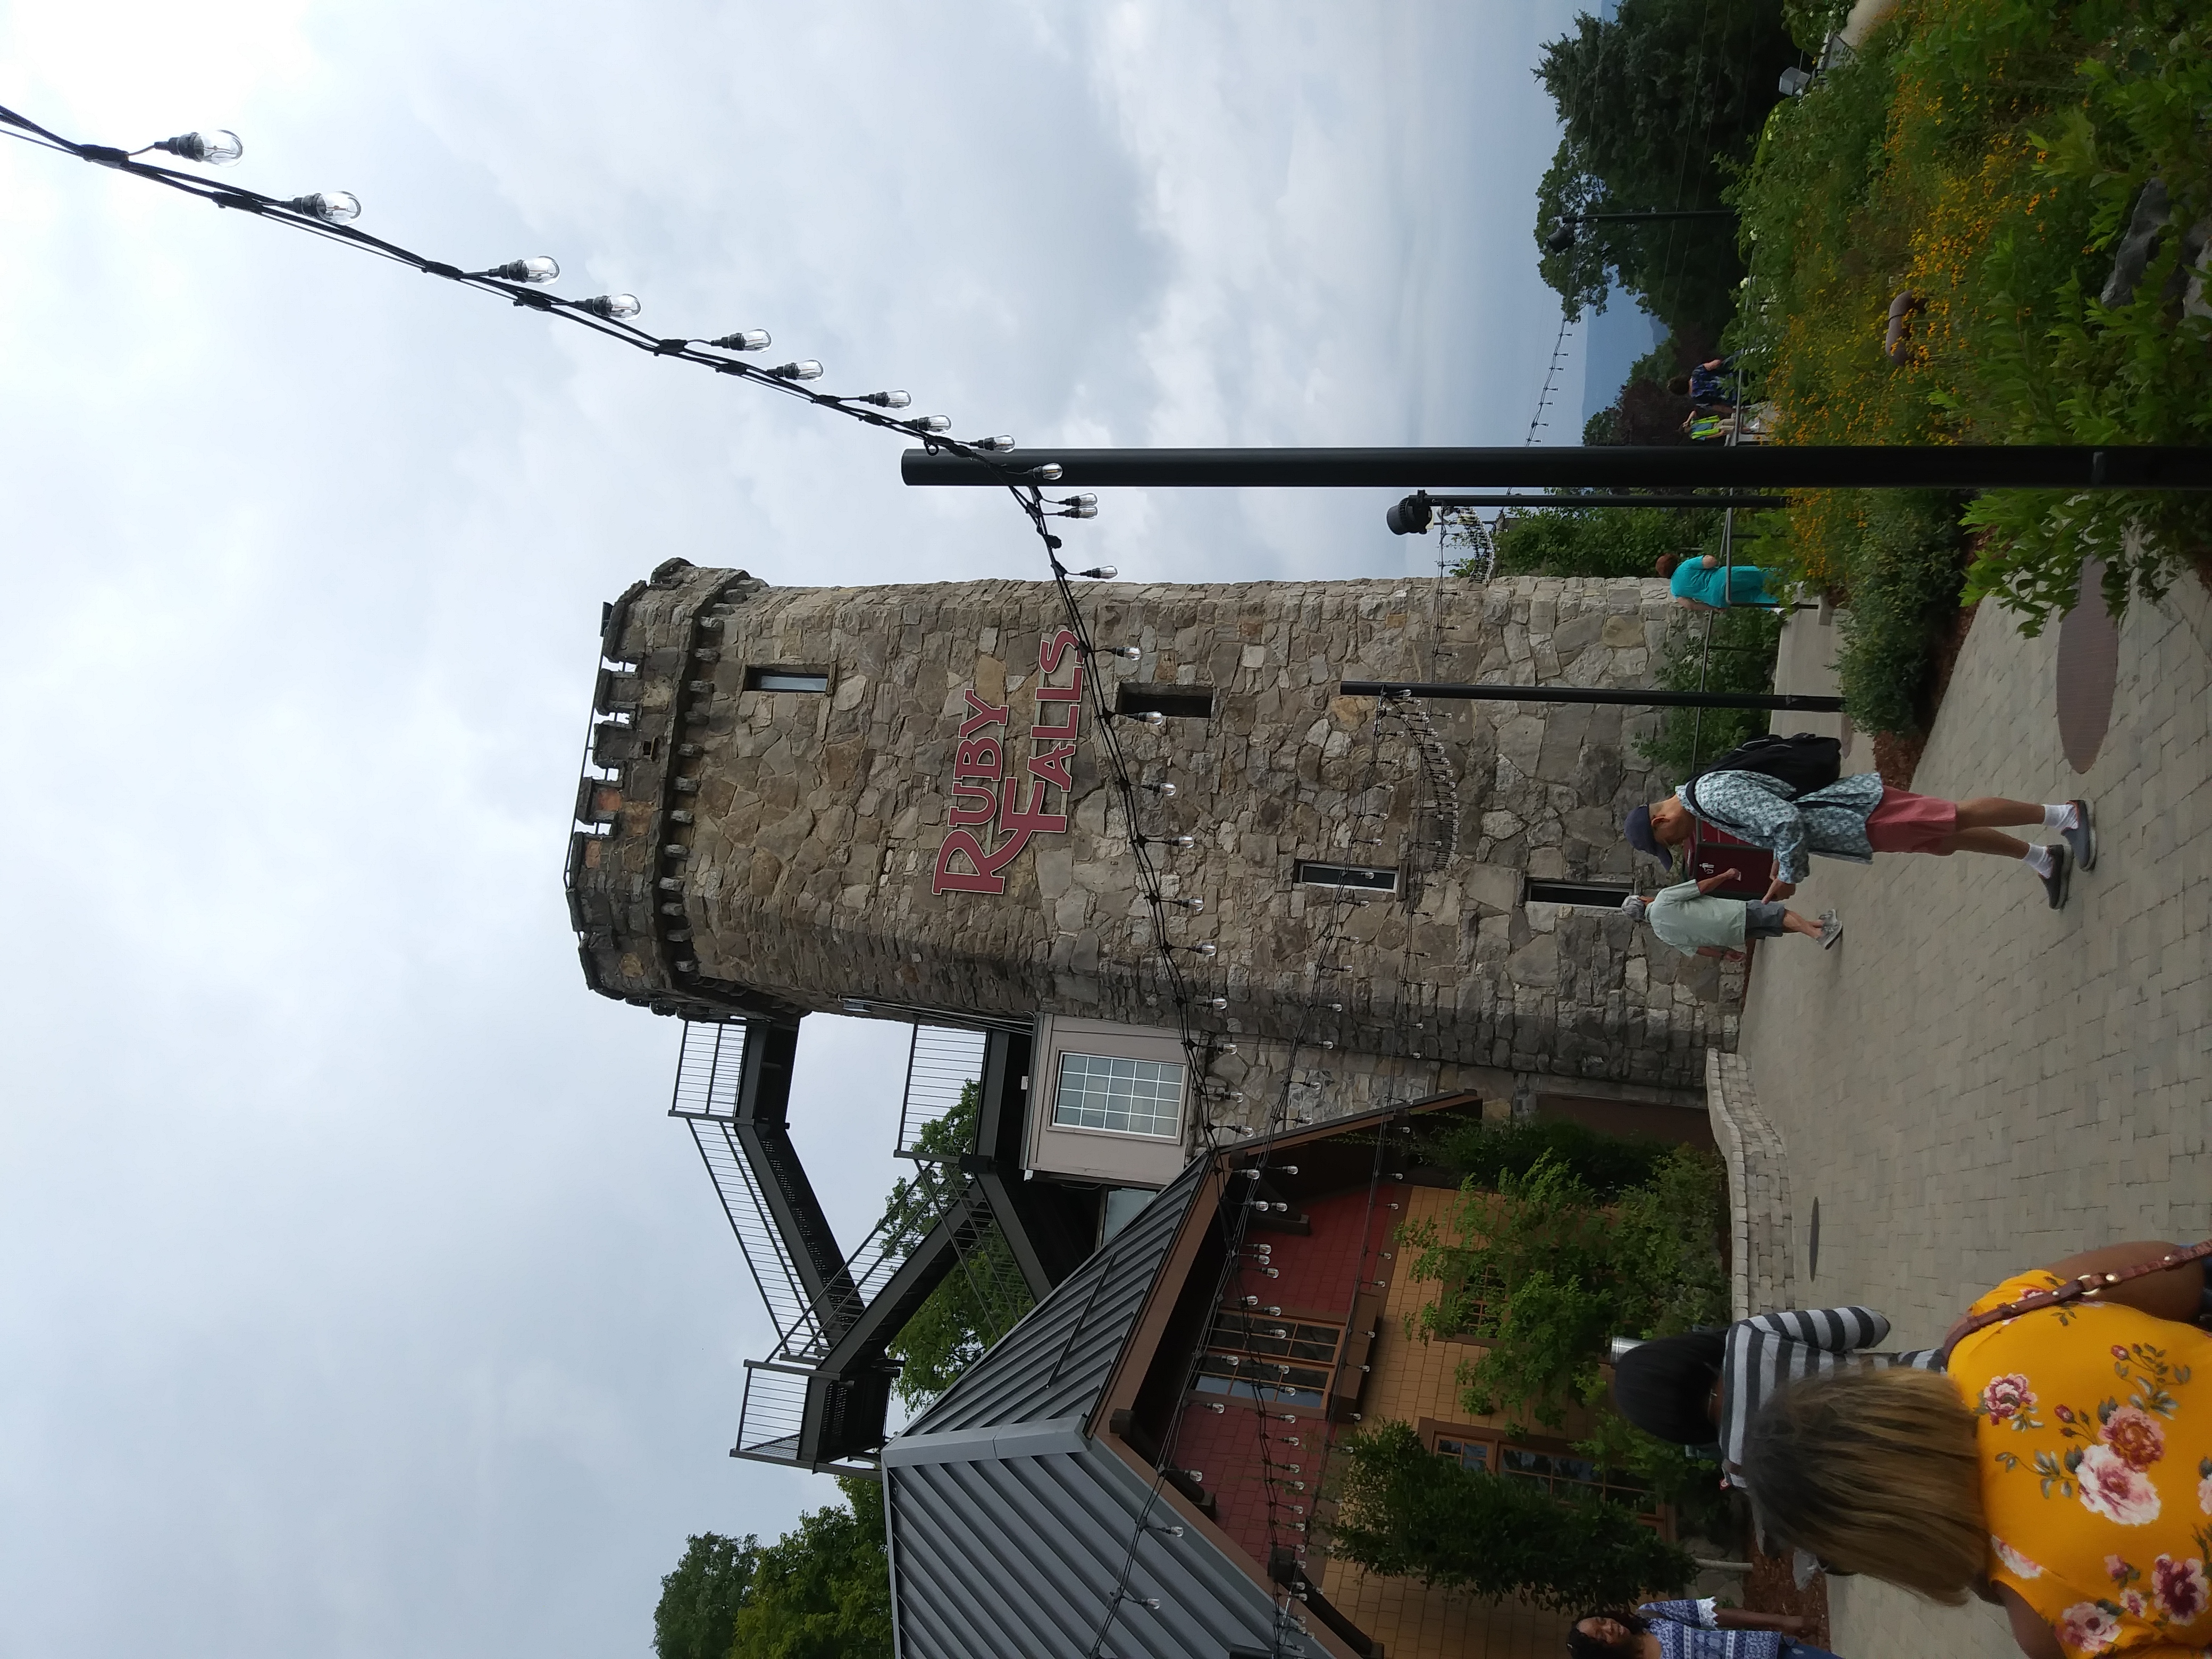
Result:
1858,816
1690,1630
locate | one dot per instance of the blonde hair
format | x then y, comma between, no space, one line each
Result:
1874,1472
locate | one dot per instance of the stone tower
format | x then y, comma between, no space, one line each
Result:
890,800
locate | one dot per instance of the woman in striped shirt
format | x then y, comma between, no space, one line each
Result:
1705,1387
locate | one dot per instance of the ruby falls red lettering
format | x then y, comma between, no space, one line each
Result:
996,806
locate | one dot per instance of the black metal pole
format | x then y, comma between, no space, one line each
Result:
1678,503
1742,466
1801,701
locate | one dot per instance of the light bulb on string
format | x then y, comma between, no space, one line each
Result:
1050,473
926,423
218,147
804,369
885,400
537,270
614,307
756,339
1164,791
332,207
996,446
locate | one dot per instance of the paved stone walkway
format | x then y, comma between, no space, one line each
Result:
1970,1084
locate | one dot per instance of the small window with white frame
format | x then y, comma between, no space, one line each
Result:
1122,1096
1349,877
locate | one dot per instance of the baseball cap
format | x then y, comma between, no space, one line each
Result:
1639,830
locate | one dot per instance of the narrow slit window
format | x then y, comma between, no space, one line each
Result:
1358,877
1598,894
1177,702
786,679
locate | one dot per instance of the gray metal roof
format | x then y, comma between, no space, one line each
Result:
1053,1363
1013,1556
1009,1528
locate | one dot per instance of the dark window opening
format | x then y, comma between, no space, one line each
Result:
1598,894
1363,878
1177,702
786,679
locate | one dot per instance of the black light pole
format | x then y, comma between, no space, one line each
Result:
1413,515
1803,702
1562,234
1760,467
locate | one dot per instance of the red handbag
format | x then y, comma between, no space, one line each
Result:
1712,851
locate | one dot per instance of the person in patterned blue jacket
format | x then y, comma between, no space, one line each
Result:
1690,1630
1858,816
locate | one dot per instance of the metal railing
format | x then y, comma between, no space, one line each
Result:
767,1258
708,1069
944,1065
943,1062
771,1412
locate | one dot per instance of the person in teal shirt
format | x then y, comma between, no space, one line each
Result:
1702,585
1695,921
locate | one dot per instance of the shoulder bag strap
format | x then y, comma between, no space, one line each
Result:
1690,799
2072,1290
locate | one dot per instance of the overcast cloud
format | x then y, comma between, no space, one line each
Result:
357,1299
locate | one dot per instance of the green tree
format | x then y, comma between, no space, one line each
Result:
699,1601
1406,1512
979,1301
1607,1164
1738,655
1657,102
823,1591
1544,1271
1563,540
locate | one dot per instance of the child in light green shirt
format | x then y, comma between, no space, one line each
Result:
1691,918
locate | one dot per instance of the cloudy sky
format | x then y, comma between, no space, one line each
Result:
357,1298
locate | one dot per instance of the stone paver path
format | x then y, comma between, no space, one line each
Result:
1970,1084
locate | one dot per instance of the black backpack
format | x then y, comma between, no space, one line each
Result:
1804,762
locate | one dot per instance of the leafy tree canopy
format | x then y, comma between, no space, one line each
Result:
1409,1513
1658,103
699,1601
823,1591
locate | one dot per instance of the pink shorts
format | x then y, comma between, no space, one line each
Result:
1906,823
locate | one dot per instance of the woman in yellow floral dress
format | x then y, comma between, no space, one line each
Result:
2062,1470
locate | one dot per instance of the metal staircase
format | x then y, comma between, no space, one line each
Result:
820,1397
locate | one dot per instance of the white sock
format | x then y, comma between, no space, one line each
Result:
2039,859
2061,817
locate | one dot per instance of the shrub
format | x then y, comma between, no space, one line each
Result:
1608,1165
1406,1512
1597,541
1905,574
1743,645
1690,1486
1986,154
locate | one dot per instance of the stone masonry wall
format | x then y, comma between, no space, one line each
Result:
772,849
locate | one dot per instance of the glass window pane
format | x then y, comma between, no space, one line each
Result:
1128,1097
